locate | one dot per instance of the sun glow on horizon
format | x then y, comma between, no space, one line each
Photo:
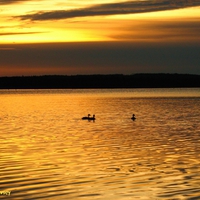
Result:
51,36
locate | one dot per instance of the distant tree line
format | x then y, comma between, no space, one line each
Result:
100,81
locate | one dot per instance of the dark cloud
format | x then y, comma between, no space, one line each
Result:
179,30
8,1
99,57
18,33
4,2
129,7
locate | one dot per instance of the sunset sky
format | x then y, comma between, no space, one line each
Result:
41,37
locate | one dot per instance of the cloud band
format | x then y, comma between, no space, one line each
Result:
129,7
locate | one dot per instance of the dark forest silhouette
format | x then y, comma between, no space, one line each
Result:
101,81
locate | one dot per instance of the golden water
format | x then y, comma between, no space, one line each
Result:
48,152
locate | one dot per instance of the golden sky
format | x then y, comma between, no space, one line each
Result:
99,36
28,21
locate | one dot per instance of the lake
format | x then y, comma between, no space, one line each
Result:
48,152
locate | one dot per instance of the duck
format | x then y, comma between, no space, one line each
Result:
133,117
91,118
84,118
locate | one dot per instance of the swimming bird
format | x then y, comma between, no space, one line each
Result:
92,118
86,117
133,117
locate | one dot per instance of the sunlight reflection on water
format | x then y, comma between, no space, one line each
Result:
48,152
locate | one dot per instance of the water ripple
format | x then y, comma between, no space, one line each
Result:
48,152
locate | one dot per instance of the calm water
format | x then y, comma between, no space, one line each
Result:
48,152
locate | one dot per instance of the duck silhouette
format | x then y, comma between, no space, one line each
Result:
133,117
92,118
84,118
88,117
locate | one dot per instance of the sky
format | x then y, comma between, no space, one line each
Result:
47,37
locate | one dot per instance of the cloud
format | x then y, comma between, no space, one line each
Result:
161,30
7,48
18,33
104,57
6,2
2,2
129,7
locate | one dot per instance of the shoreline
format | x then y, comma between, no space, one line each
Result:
108,81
